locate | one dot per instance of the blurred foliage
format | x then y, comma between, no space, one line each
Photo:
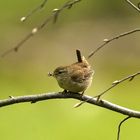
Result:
84,27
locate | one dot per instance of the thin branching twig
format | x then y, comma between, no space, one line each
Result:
34,11
115,83
119,127
107,41
133,5
53,17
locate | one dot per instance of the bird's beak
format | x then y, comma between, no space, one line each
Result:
50,74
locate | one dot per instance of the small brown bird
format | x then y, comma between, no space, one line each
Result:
76,77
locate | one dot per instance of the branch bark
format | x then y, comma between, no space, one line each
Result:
68,95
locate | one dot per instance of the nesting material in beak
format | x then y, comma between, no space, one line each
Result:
50,74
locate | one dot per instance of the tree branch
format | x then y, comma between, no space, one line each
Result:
34,11
107,41
116,82
53,17
61,95
119,127
133,5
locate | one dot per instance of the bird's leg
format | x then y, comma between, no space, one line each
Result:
65,91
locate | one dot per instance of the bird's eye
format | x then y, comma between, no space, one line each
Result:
59,72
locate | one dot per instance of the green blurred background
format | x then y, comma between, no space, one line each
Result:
82,27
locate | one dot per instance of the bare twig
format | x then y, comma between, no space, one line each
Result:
120,124
107,41
53,17
34,10
62,95
115,83
133,5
